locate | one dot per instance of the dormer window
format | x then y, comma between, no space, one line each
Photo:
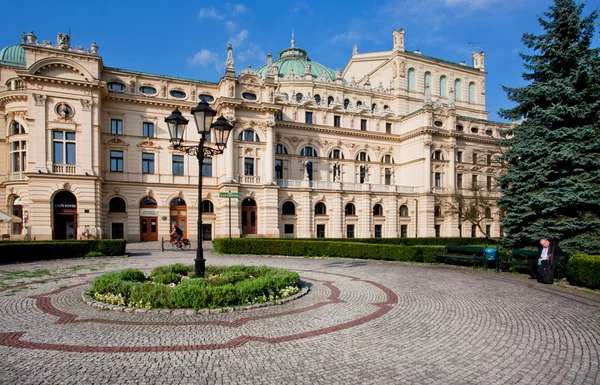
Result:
249,96
207,98
147,90
116,87
178,94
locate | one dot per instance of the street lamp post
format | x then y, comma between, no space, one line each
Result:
203,115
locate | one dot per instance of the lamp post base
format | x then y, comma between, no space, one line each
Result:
199,267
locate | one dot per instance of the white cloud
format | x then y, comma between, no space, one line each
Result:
204,57
230,26
209,13
252,54
238,39
235,9
346,37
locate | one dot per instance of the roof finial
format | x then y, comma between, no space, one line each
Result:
293,40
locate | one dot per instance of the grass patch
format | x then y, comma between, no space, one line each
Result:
17,274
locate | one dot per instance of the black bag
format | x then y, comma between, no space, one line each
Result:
545,273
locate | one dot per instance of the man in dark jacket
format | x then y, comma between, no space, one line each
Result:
547,251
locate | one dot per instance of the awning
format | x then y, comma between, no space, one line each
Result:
6,217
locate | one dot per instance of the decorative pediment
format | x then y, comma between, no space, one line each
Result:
148,143
61,68
116,141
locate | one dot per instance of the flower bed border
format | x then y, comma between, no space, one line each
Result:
88,300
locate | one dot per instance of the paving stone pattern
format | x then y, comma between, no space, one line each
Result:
362,322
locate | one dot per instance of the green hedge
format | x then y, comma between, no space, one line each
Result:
405,241
584,270
331,249
25,251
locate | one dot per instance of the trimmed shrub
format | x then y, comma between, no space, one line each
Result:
584,270
26,251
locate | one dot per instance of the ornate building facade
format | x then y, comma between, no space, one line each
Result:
373,150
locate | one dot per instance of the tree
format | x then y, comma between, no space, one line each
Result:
552,186
474,205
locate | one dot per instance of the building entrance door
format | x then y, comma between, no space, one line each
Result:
249,216
64,225
148,229
178,210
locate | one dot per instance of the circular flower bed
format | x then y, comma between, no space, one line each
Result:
175,287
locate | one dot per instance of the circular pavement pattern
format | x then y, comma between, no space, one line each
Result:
362,322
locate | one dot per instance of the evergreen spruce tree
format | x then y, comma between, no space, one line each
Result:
552,185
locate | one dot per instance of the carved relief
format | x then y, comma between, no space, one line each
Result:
402,68
86,104
40,100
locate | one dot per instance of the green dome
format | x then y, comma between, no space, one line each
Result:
13,55
295,59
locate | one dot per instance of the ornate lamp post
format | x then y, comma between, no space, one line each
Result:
203,115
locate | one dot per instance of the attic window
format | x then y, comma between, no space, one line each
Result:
489,132
248,96
206,97
147,90
178,94
116,87
475,130
438,123
459,128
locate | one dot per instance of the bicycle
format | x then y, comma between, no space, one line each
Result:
172,243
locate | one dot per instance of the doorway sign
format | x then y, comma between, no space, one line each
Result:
229,194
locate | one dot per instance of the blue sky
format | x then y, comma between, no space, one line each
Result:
189,38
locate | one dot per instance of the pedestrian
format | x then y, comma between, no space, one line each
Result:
548,256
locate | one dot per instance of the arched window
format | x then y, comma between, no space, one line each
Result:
387,159
280,149
488,212
427,80
208,207
248,136
437,155
443,86
330,100
299,97
403,211
317,98
288,208
16,128
363,157
320,209
412,79
308,151
147,201
457,89
377,210
358,104
350,209
178,202
346,103
117,205
471,92
336,154
373,107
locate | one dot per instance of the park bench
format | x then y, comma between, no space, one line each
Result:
472,253
520,257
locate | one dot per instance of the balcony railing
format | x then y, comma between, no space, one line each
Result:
347,186
16,175
64,169
248,179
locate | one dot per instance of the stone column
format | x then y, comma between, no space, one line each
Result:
427,165
270,152
230,153
86,143
38,152
452,170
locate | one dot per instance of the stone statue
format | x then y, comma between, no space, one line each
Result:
229,64
23,37
305,167
355,50
337,172
427,94
307,69
402,68
63,41
451,99
482,86
231,91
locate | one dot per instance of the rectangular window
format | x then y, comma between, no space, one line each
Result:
278,169
438,179
378,231
349,231
118,231
147,163
116,126
437,230
279,116
320,231
388,128
207,167
363,124
388,176
488,182
437,211
288,229
403,231
249,166
488,230
63,147
459,180
177,164
459,156
19,155
474,181
148,130
116,161
489,159
337,121
308,117
473,231
474,158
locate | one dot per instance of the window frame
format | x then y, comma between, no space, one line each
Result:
116,162
148,163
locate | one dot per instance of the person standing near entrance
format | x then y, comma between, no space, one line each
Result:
177,233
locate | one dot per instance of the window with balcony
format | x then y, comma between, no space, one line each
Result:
388,176
346,103
330,100
207,164
249,166
317,99
363,174
337,121
299,97
147,163
178,165
278,169
116,161
63,146
148,130
116,126
437,179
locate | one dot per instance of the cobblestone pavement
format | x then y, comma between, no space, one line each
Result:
363,322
